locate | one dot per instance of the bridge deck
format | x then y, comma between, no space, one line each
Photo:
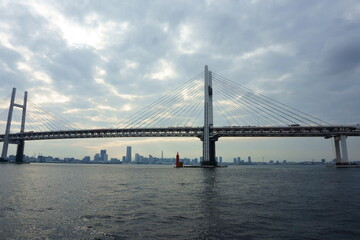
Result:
235,131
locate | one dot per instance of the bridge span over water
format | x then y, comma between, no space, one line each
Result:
235,131
263,109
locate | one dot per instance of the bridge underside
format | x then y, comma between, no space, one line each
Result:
324,131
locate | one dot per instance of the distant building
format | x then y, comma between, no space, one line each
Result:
86,159
97,157
137,157
114,161
128,154
103,156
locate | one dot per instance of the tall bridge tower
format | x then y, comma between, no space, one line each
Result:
208,138
20,143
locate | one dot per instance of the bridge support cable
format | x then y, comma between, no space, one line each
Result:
294,113
139,115
194,115
278,114
169,112
261,99
194,119
221,112
172,113
50,119
252,115
180,115
3,117
255,110
151,114
35,126
223,109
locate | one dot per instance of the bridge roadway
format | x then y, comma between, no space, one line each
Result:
234,131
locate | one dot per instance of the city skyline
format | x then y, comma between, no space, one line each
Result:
97,63
103,157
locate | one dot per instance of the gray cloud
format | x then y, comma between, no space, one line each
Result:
91,57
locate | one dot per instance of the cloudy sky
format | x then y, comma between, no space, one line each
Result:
95,62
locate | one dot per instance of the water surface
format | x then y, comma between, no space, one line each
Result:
65,201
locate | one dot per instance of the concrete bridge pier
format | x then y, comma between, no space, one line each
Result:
341,154
211,153
20,152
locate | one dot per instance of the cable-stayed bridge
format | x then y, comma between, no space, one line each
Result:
188,111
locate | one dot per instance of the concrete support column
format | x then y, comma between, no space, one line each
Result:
20,152
21,144
208,138
337,150
8,125
345,158
23,118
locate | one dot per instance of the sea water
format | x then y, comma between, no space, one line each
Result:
78,201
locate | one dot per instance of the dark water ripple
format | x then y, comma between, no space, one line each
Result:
53,201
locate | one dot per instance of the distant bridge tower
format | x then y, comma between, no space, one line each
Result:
20,143
208,138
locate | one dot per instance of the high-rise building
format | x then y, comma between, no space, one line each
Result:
103,156
137,157
97,157
128,154
86,159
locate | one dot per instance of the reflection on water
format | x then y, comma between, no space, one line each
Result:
54,201
210,199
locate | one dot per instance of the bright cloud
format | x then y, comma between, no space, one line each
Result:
164,71
42,95
95,34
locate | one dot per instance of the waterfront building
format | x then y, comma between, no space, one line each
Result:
86,159
103,156
128,154
137,157
97,157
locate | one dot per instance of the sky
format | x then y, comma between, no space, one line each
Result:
95,62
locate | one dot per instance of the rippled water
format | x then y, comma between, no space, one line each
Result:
54,201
